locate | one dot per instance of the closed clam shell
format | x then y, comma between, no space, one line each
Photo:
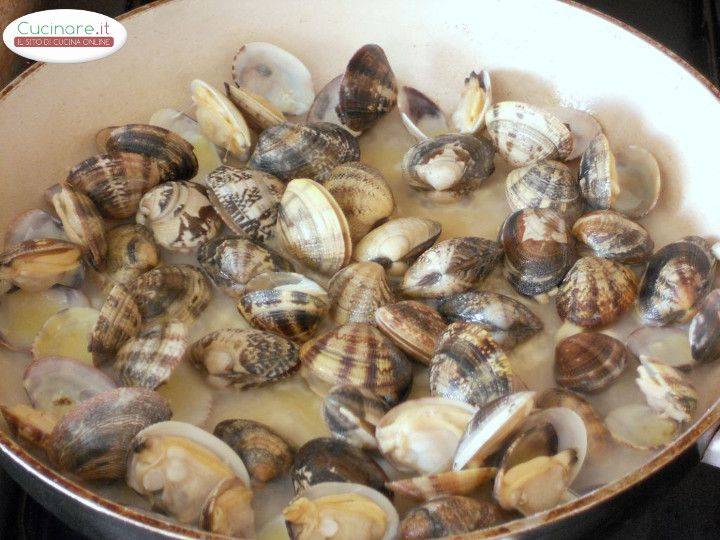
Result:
119,320
538,250
92,440
368,89
413,326
231,262
596,292
508,321
468,365
363,195
149,358
397,243
420,114
247,200
286,303
313,228
357,291
131,251
265,453
598,174
667,391
179,215
676,279
425,488
258,111
524,134
244,358
610,235
36,265
545,184
449,515
451,266
589,361
351,414
705,329
175,154
116,182
359,355
303,150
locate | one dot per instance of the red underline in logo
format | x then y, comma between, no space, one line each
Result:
64,41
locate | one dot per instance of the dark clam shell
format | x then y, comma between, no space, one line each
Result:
589,361
449,515
413,326
611,235
545,184
705,329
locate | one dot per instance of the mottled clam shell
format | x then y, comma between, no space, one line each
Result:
425,488
413,326
351,414
149,358
524,134
357,291
358,355
258,111
420,114
92,440
324,108
312,227
598,174
676,279
508,321
231,262
596,292
368,89
119,320
179,215
667,391
33,225
303,150
538,250
36,265
545,184
470,366
449,515
246,200
705,329
82,224
397,243
363,195
265,453
611,235
451,266
582,125
589,361
332,460
131,251
244,358
475,101
175,154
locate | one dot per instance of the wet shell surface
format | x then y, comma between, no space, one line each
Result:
449,515
641,427
475,101
413,326
66,333
357,291
258,112
119,320
33,225
582,125
36,265
324,108
228,510
131,251
426,488
667,390
508,321
246,200
589,361
82,224
667,345
420,114
611,235
596,292
451,266
351,414
705,329
545,184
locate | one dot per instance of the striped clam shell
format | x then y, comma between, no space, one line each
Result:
351,414
425,488
357,291
36,265
258,112
119,320
449,515
545,184
598,175
413,326
610,235
705,329
667,391
131,251
589,361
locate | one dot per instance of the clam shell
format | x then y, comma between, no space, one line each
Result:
666,345
705,329
228,511
351,414
66,333
475,102
82,224
32,425
667,390
545,184
258,111
589,361
131,251
324,108
596,292
119,320
449,515
33,225
582,125
426,488
451,266
36,265
598,174
413,326
610,235
420,114
640,427
357,291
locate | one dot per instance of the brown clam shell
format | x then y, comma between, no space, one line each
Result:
425,488
357,291
545,184
119,320
589,361
351,414
413,326
228,511
131,251
36,265
610,235
705,329
449,515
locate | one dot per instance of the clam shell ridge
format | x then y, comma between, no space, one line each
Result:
705,329
357,291
413,326
589,361
611,235
545,184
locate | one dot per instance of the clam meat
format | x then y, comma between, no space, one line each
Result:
258,111
667,390
36,265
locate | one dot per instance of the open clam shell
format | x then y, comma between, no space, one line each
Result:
589,361
582,125
352,413
667,390
665,345
37,265
475,101
258,111
640,426
228,510
426,488
545,184
67,333
324,108
611,235
413,326
357,291
32,225
449,515
420,114
704,333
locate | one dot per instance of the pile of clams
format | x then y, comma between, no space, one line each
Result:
246,247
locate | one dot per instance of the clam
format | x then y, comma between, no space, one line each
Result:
324,108
676,279
357,291
666,390
332,460
544,184
363,195
342,511
470,366
265,453
368,90
177,466
92,440
303,150
258,111
66,333
33,225
397,243
449,515
610,235
32,425
475,101
179,215
413,326
358,355
538,250
641,427
421,435
228,511
275,74
36,265
508,321
244,358
116,182
524,134
589,361
174,153
448,166
426,488
665,345
352,413
312,227
451,266
232,262
188,394
286,303
596,292
149,358
131,251
219,120
705,329
582,125
119,320
420,114
246,200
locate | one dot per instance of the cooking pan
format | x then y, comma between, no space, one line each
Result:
542,51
